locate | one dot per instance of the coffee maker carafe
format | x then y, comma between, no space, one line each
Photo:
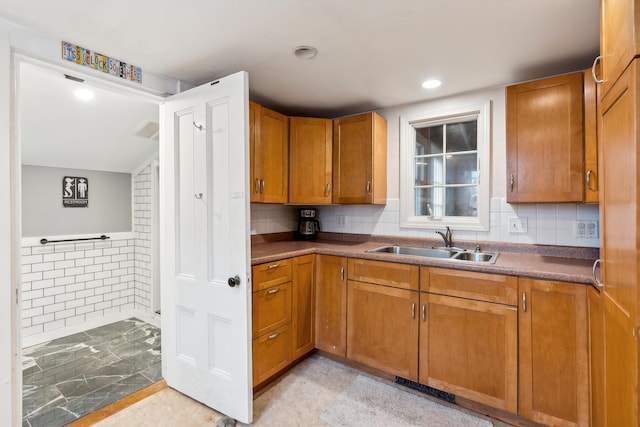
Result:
308,225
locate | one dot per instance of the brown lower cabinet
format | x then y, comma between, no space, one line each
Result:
553,362
283,306
303,306
469,336
518,345
331,304
382,328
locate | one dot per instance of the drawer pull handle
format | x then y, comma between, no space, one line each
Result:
593,69
273,291
424,312
524,302
413,310
596,281
273,266
589,180
342,274
274,336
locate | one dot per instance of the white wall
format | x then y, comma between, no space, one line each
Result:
547,224
67,284
109,208
142,213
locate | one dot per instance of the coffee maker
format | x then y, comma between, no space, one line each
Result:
308,225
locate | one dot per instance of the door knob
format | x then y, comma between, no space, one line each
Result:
234,281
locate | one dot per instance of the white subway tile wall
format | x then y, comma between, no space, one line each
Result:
142,217
69,283
547,224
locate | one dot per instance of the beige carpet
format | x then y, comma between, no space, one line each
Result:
317,392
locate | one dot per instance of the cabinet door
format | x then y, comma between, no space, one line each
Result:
620,273
269,155
595,311
591,99
255,151
554,372
360,159
470,348
382,328
545,150
303,307
310,164
331,304
274,133
619,38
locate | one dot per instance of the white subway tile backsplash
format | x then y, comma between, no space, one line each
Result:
64,283
547,223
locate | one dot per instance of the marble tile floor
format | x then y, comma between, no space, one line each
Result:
69,377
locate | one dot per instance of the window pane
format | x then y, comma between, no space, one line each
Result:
429,201
429,140
462,169
462,201
429,170
462,136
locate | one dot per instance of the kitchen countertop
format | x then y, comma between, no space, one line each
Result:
539,263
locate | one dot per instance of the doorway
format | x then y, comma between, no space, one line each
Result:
80,291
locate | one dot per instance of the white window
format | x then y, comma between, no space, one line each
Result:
444,168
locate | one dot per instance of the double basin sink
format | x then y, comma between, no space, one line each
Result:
453,254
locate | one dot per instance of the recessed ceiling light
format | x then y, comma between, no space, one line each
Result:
431,84
305,52
84,94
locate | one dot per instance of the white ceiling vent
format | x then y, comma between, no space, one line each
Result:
147,130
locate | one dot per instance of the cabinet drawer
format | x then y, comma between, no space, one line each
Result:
271,309
403,276
271,354
467,284
271,274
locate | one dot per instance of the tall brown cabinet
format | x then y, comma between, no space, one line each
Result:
617,340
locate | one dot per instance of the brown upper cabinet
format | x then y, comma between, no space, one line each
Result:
310,154
269,146
591,102
545,140
360,160
619,38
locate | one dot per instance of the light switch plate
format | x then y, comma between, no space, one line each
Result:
517,225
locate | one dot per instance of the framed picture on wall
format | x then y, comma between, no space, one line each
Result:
75,192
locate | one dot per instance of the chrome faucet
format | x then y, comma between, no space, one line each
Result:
446,236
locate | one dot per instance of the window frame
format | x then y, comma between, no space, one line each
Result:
408,124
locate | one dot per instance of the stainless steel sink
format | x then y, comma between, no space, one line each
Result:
407,250
442,253
487,257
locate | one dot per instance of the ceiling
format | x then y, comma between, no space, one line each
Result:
371,55
59,130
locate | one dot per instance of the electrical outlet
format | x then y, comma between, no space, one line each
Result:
517,225
341,221
586,229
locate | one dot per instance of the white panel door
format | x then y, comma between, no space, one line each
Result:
206,334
